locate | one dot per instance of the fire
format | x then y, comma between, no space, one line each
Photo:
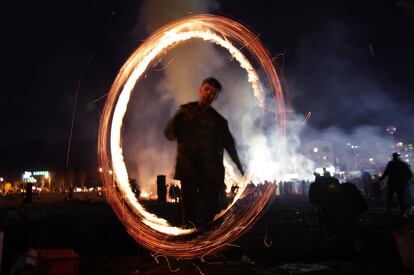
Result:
149,230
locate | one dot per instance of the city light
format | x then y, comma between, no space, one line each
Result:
40,173
27,174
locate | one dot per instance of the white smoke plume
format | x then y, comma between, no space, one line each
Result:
366,146
175,80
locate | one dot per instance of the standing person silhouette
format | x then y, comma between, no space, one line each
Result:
398,174
202,134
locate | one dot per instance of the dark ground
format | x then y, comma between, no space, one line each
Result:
294,242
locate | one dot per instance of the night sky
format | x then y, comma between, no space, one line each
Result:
348,62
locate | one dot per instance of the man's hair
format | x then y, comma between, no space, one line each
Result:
396,155
213,82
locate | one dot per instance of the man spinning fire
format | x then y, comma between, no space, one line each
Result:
202,134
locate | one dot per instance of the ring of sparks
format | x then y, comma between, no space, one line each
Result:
152,232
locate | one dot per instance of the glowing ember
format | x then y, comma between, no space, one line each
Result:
152,232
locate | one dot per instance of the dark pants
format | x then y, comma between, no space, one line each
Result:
210,199
400,190
201,200
191,201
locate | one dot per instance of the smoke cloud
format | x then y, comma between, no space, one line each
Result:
342,84
175,80
331,64
336,79
364,147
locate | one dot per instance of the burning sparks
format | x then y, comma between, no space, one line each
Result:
155,233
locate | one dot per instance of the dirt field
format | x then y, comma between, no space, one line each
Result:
294,242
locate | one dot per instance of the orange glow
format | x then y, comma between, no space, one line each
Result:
155,233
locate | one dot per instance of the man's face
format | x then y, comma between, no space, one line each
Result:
207,94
